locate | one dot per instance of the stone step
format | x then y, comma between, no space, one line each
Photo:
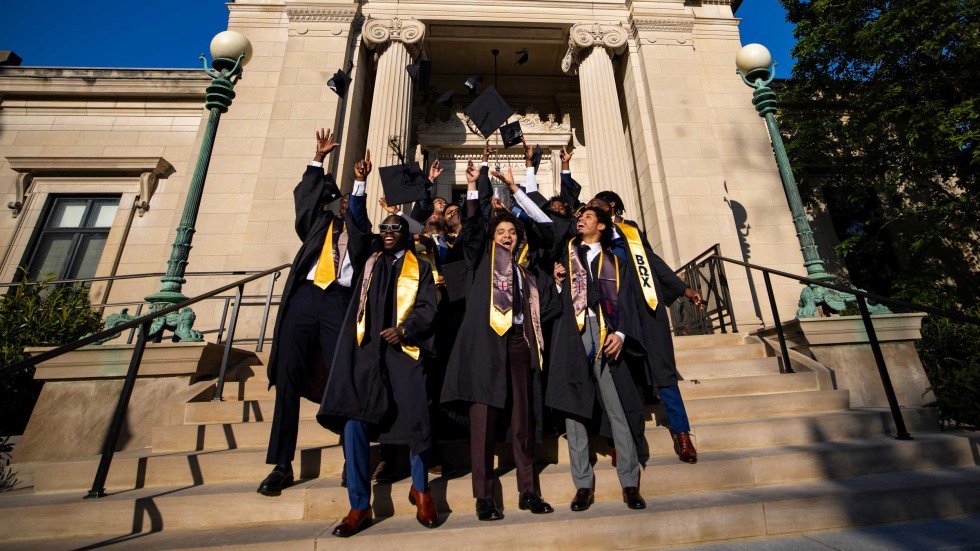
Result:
749,385
670,519
720,353
709,341
702,409
132,470
702,370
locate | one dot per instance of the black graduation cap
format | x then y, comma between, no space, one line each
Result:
511,134
404,183
420,74
447,98
536,157
524,56
489,112
473,83
338,83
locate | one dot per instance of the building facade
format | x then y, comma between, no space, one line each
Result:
95,163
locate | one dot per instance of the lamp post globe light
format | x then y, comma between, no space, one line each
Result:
755,66
230,52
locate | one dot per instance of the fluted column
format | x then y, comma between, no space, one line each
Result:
590,51
396,43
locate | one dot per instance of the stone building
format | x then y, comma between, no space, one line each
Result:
95,163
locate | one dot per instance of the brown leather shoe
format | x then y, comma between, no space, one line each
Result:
355,521
685,446
426,506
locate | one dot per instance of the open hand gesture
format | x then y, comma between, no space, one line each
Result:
325,142
363,168
435,170
507,179
393,209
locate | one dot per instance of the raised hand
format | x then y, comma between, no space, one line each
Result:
435,170
566,158
487,151
498,206
507,179
363,168
528,153
560,272
325,142
393,209
472,173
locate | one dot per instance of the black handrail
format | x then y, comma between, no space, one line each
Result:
901,432
713,287
143,322
125,277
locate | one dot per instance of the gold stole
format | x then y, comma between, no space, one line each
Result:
326,272
406,290
640,262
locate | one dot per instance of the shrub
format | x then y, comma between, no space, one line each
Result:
36,315
950,353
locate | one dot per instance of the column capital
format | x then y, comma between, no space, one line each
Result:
380,31
584,36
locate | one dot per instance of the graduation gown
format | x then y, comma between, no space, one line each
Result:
572,388
313,193
380,384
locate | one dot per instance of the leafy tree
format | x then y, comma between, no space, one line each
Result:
885,125
36,315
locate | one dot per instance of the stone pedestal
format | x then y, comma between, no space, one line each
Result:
590,50
396,42
841,344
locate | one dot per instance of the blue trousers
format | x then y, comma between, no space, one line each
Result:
357,448
671,395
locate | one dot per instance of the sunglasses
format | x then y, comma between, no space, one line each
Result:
390,227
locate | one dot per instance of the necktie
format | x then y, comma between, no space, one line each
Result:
518,295
326,268
592,293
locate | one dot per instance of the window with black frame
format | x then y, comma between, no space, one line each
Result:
70,241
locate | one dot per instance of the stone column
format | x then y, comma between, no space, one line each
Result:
396,42
590,51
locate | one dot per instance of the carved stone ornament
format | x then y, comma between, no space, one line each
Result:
320,15
21,187
531,122
587,35
378,31
148,184
665,25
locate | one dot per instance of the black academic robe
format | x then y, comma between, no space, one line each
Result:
659,363
313,193
477,368
572,388
377,383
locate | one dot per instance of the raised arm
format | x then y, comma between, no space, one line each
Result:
474,234
358,224
316,190
570,189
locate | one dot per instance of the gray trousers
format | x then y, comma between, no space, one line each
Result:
627,461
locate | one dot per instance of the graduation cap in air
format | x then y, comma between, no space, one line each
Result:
339,82
524,56
447,98
512,134
473,83
403,183
420,73
489,111
536,157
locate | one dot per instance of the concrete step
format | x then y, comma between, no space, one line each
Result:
133,470
670,519
720,353
709,341
704,409
702,370
697,389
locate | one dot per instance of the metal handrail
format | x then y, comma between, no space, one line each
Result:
125,277
144,323
716,281
862,297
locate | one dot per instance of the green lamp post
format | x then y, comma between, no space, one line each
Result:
230,51
756,68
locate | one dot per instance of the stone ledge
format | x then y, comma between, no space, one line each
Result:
814,332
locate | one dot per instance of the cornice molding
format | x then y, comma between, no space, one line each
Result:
321,15
663,24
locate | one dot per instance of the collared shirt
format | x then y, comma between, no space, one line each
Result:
346,269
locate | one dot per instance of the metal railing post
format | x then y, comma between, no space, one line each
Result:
901,432
228,342
115,428
224,316
723,286
132,332
787,368
265,312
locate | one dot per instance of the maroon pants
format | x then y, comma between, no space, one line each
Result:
483,423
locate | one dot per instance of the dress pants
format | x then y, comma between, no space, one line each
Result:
312,320
357,449
627,460
676,413
483,423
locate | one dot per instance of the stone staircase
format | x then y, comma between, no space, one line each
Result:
779,454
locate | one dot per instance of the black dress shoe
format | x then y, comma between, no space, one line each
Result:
486,509
584,498
533,502
633,498
279,478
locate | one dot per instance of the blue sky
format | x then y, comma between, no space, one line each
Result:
173,33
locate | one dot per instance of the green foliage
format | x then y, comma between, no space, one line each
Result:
950,353
883,122
8,478
36,315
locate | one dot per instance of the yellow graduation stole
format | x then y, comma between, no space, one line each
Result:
406,289
640,262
